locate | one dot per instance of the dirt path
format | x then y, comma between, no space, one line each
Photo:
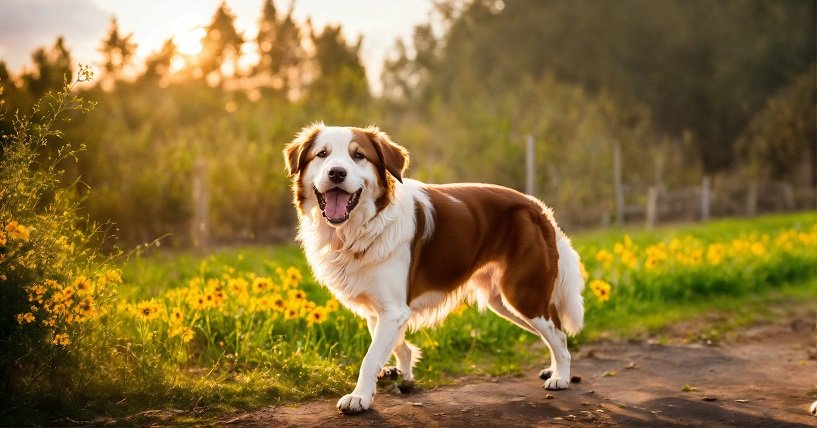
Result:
761,376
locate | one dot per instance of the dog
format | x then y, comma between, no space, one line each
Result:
403,254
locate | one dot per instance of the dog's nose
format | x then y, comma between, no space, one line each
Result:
337,175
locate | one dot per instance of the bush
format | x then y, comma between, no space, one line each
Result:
54,284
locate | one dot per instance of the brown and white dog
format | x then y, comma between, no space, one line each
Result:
403,254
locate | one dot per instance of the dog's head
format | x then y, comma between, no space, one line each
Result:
340,172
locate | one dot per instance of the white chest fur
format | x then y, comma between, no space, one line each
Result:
365,262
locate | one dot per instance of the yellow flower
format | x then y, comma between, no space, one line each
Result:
63,295
237,285
714,253
291,312
83,285
86,309
459,309
601,289
332,305
758,249
148,309
187,334
113,276
25,318
197,301
298,295
176,316
294,275
17,232
61,339
605,258
261,285
3,239
316,316
278,303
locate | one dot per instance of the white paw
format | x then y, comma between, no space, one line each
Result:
555,383
351,404
814,408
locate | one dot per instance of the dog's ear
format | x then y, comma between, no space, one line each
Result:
296,151
394,158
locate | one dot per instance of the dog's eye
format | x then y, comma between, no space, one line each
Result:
322,154
358,156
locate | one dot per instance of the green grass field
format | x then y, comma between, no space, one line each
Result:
247,327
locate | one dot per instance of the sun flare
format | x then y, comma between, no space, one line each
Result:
189,42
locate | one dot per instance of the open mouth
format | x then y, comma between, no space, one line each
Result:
336,204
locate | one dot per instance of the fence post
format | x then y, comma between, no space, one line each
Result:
530,165
617,183
751,199
705,189
200,230
652,207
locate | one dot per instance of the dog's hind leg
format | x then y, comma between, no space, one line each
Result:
556,341
499,308
406,355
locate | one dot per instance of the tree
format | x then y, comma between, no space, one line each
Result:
701,66
117,50
157,64
340,73
221,44
282,55
51,69
782,138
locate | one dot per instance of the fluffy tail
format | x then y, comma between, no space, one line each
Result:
567,296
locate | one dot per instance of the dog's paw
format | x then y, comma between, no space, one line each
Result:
555,383
545,374
406,386
351,404
814,408
388,373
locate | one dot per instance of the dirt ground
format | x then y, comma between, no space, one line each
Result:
758,376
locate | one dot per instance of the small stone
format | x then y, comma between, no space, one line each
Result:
631,366
575,379
709,398
741,401
609,373
549,396
417,404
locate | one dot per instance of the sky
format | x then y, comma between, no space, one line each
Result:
29,24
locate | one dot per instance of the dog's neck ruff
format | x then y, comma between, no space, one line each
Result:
340,256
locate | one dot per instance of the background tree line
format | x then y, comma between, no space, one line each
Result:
682,88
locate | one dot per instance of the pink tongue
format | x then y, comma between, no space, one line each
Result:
336,201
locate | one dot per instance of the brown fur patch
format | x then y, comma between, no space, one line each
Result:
479,224
296,157
388,157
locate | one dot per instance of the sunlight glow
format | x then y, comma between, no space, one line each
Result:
189,42
177,63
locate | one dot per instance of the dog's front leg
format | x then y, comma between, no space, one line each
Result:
389,329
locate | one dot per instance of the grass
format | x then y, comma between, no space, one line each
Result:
239,360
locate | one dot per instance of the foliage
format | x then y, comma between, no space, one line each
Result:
783,135
695,64
686,267
462,97
54,283
216,329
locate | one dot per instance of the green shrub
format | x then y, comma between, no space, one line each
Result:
54,284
